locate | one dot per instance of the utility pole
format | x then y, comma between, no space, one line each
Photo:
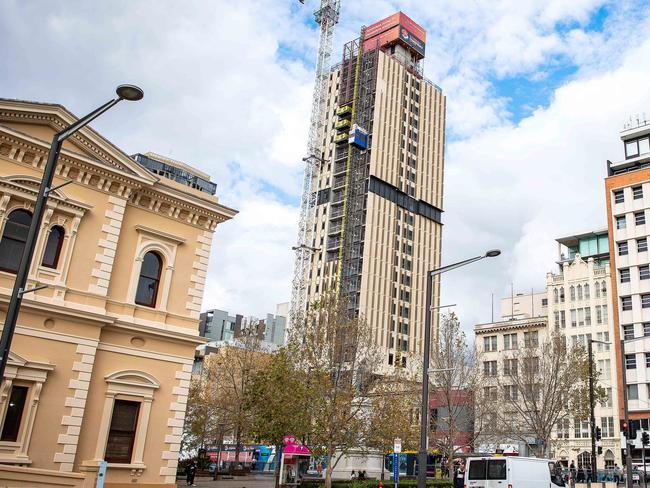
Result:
590,354
626,414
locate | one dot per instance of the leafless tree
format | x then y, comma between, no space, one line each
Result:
540,385
456,420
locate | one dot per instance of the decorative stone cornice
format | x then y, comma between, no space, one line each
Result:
533,323
31,152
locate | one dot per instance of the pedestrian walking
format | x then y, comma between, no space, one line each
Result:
617,473
459,479
190,472
581,475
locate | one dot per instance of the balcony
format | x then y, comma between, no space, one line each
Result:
341,167
337,212
335,228
344,110
333,243
341,138
341,153
338,196
339,182
342,124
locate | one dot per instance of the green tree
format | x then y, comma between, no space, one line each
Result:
335,347
277,398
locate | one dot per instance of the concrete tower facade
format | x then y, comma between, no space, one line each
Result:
627,191
378,228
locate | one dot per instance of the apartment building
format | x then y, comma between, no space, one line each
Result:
101,359
497,346
627,190
378,210
579,306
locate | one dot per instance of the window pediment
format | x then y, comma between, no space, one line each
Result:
133,379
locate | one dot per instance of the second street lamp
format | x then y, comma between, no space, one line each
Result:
424,413
124,92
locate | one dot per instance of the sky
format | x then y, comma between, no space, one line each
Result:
537,93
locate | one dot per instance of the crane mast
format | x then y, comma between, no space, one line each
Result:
327,17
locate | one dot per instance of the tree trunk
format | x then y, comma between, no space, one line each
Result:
278,458
237,449
383,465
328,473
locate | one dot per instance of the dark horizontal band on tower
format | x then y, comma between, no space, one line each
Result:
392,194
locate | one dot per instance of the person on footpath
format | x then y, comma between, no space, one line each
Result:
190,472
459,479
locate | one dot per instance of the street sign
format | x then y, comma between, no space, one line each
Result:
396,469
397,445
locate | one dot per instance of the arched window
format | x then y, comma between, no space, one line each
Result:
579,292
597,289
586,288
604,289
53,247
13,239
572,292
555,296
149,280
561,294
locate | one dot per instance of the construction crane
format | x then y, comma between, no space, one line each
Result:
327,16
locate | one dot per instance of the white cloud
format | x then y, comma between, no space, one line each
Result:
228,88
251,263
520,187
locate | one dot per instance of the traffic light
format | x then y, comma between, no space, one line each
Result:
599,433
600,450
645,438
624,429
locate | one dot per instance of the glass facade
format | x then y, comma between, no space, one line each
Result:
177,174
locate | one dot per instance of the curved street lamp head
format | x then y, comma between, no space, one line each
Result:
492,253
129,92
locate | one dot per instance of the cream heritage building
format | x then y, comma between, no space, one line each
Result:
579,306
101,360
378,225
576,303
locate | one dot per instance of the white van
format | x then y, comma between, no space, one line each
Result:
511,472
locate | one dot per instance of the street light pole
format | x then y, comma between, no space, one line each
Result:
124,92
424,411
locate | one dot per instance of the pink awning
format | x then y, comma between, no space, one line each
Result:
295,450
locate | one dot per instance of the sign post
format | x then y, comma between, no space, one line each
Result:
101,474
397,449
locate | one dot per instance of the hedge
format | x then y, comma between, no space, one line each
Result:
433,483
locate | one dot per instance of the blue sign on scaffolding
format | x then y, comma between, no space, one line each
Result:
396,468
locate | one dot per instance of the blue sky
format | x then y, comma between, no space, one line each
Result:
537,91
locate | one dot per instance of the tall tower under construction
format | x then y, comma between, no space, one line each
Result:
375,226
